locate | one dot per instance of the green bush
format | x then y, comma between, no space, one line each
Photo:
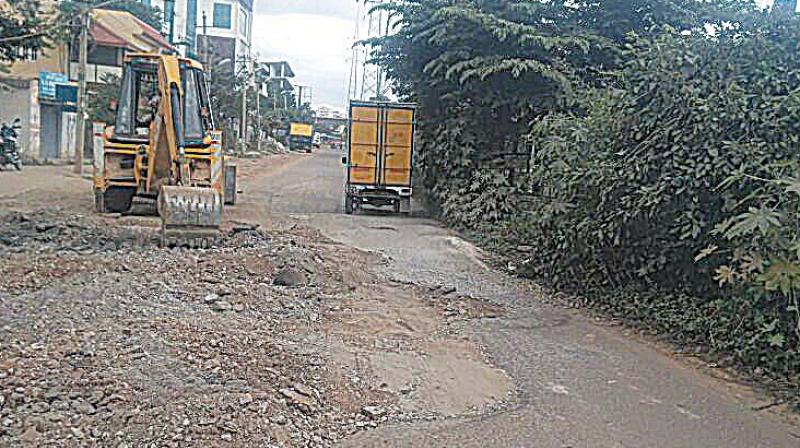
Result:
683,186
662,181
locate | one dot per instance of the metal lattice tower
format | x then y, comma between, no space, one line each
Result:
368,81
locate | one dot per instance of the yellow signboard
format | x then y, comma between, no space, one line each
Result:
301,130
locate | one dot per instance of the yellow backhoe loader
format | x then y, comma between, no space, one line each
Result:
164,147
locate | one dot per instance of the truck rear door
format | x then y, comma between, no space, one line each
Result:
398,138
364,144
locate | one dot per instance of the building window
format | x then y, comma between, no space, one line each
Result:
102,55
222,16
242,22
99,55
27,53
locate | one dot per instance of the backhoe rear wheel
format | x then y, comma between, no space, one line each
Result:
114,199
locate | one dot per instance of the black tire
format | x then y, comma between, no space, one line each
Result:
118,199
406,206
348,205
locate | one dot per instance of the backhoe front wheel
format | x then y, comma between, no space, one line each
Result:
114,199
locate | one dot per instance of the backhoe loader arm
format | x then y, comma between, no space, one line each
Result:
167,146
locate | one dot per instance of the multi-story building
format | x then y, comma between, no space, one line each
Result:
214,31
274,84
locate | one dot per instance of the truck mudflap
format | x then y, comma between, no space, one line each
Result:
190,216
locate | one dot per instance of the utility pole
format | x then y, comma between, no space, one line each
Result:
207,56
258,117
169,6
206,60
243,125
83,51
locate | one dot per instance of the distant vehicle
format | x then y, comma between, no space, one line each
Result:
301,136
379,155
317,142
9,147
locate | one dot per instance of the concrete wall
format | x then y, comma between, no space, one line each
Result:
20,98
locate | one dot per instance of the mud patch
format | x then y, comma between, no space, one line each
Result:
398,339
444,377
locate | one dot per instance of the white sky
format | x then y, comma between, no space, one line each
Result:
315,36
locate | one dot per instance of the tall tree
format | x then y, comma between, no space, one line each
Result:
21,29
483,70
785,7
148,14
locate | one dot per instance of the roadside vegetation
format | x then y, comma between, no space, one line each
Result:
641,154
20,28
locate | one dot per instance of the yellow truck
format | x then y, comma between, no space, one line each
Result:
301,136
380,152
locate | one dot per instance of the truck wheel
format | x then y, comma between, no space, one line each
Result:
118,199
348,205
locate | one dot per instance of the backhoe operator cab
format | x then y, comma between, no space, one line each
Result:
163,145
140,97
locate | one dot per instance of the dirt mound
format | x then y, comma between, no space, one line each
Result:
107,339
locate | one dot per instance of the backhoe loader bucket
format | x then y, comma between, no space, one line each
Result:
190,216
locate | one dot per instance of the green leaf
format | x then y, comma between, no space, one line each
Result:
706,252
781,275
761,219
725,275
777,340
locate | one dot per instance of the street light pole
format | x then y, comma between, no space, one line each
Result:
83,51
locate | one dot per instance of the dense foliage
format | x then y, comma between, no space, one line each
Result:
20,30
103,96
643,154
70,10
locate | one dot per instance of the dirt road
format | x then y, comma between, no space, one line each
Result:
578,383
317,329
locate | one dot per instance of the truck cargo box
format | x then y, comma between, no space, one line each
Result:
380,155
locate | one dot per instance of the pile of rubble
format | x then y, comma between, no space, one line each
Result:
107,339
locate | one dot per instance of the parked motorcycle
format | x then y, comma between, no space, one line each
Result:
9,147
